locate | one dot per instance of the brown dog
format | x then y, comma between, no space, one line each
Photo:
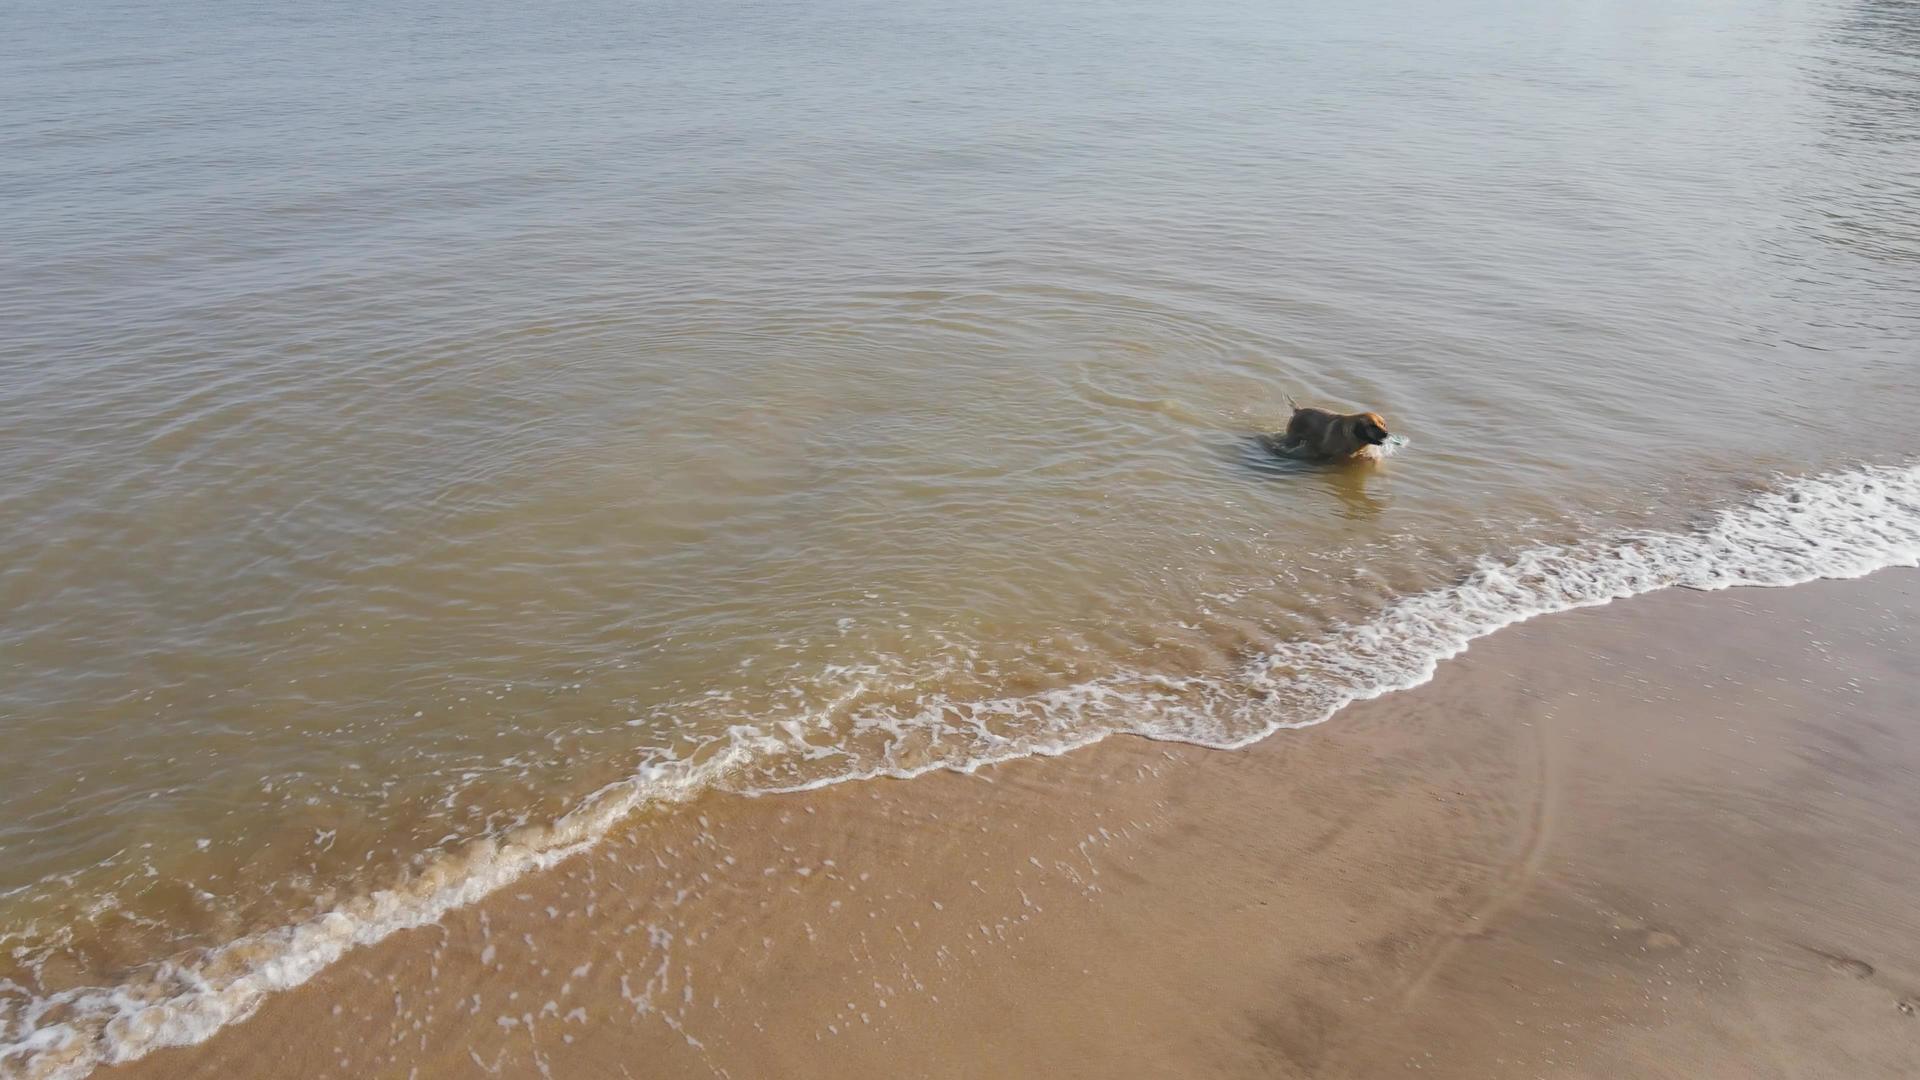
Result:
1319,435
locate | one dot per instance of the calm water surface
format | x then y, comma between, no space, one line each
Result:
413,421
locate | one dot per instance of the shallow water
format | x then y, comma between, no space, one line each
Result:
412,423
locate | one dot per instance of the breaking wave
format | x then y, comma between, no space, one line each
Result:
1842,525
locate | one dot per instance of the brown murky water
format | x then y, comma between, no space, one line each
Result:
413,424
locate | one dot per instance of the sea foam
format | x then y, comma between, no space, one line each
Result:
1842,525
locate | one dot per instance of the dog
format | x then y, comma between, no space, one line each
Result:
1318,435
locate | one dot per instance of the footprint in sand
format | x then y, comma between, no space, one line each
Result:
1662,941
1860,969
1846,965
1650,939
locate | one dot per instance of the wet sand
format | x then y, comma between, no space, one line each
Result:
1674,836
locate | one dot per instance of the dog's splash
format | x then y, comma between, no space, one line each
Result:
1845,525
1273,444
1393,445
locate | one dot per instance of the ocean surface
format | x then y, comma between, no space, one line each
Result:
431,435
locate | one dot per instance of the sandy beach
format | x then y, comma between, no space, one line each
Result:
1670,837
584,540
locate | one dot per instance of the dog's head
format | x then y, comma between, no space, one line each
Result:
1367,429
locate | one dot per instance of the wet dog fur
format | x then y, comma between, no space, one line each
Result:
1319,435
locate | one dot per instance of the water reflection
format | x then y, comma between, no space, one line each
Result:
1345,481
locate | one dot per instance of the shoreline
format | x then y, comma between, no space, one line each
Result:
1144,908
1833,525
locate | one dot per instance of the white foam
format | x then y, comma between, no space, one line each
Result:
1841,526
180,1004
1845,525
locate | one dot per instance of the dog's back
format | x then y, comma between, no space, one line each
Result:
1303,432
1308,422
